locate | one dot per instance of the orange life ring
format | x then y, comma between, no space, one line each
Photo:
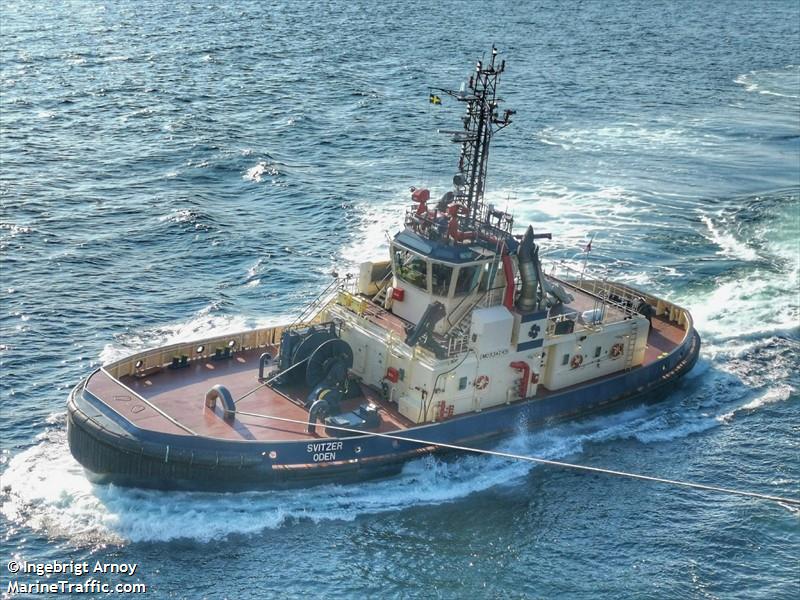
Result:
576,361
616,350
481,382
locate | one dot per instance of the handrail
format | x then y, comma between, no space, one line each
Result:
478,302
383,282
309,309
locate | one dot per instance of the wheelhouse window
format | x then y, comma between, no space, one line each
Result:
410,268
468,278
440,277
487,279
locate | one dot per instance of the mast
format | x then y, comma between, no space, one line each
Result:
481,121
461,216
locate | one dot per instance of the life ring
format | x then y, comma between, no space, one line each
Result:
481,382
576,361
616,350
534,378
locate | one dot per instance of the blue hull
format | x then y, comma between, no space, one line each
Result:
115,451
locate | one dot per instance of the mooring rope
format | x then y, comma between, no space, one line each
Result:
543,461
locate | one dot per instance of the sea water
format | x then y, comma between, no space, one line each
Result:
173,171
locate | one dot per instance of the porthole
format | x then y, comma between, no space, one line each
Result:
358,449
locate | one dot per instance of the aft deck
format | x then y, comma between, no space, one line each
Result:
663,338
173,401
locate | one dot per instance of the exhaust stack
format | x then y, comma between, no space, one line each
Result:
529,297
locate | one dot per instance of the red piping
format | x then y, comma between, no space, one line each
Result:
452,229
526,371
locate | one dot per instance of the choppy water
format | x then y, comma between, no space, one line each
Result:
170,171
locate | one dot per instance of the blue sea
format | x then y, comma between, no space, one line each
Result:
175,170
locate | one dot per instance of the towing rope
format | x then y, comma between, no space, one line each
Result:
543,461
270,380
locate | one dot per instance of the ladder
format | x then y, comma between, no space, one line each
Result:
380,297
462,326
384,285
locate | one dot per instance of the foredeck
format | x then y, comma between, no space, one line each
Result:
173,401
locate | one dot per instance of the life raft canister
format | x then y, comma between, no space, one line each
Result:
481,382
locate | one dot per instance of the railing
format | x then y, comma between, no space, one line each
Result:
486,234
201,349
552,323
458,335
621,296
457,344
488,298
322,299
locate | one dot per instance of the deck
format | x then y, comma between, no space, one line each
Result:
173,401
664,337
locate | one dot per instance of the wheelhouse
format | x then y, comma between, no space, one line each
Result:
425,271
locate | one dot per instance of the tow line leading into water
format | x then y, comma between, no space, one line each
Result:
543,461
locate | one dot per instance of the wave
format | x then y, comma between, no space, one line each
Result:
779,393
627,136
782,83
14,229
260,171
759,299
727,243
372,239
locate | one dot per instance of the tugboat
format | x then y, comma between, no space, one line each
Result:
460,337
